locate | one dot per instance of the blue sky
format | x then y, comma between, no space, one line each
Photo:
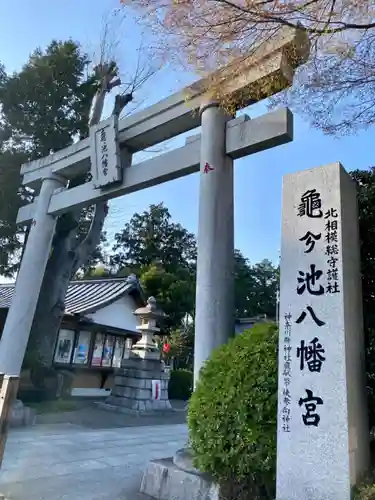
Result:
24,25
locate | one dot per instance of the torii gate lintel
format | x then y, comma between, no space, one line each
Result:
243,137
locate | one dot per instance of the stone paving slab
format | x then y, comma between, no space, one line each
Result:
57,462
94,417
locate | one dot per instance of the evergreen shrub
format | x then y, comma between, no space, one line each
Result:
232,416
180,384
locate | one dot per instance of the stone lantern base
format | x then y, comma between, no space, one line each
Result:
141,386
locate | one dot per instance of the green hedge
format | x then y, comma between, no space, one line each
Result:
232,415
33,395
180,384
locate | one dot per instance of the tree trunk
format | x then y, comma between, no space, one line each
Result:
66,258
67,255
50,308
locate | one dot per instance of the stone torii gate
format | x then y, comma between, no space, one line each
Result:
108,154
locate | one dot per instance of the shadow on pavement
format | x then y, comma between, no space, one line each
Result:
89,415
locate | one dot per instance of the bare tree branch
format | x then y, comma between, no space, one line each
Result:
109,79
330,90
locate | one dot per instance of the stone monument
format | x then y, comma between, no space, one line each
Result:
141,384
323,434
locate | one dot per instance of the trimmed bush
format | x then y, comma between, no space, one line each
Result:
365,492
180,384
366,489
33,395
232,415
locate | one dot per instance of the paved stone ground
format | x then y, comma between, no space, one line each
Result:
90,416
102,458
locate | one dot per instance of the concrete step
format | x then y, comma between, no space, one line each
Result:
165,481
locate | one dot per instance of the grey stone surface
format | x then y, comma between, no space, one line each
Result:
22,416
137,383
90,416
120,401
184,461
162,480
16,331
140,364
141,373
321,461
66,462
163,407
113,400
133,392
214,313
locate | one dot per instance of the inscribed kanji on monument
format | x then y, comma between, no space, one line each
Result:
321,411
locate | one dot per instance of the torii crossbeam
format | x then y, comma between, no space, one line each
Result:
107,153
243,137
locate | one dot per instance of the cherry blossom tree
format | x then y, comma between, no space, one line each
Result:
334,90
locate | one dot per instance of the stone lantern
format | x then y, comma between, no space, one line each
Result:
146,348
141,384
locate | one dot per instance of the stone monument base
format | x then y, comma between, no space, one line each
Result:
21,416
183,460
140,387
163,480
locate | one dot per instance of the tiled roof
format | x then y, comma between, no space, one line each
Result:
86,296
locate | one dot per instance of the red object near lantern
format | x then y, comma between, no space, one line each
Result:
166,348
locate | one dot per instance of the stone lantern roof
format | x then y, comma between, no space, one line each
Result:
150,311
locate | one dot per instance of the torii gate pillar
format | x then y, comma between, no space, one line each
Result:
29,280
214,317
